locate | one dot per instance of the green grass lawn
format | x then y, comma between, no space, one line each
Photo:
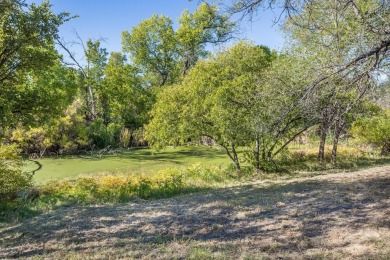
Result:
133,160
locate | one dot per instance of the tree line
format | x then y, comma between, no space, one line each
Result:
166,88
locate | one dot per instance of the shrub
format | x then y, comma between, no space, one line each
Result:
34,140
12,178
98,134
114,133
374,131
66,134
139,138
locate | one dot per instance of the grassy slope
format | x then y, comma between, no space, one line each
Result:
330,216
136,160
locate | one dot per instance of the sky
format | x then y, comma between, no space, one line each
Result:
106,20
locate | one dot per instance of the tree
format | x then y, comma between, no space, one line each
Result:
348,42
235,99
27,34
332,46
91,77
27,53
153,46
204,26
375,131
128,101
167,54
36,98
363,25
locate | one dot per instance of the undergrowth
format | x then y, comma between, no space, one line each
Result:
121,187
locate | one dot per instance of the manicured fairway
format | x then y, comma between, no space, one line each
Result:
134,160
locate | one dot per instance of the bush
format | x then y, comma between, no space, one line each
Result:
66,134
12,178
32,141
114,133
98,134
374,131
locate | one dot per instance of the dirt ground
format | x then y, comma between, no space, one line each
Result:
332,216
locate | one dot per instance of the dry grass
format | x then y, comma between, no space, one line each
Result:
333,216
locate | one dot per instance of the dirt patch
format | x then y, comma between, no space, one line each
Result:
333,216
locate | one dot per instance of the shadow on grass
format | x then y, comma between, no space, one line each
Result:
39,166
345,164
279,218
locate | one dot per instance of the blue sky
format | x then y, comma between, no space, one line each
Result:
107,19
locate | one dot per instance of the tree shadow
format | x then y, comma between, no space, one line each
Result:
292,217
40,166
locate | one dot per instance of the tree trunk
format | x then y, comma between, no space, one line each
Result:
93,105
324,132
257,153
235,159
336,141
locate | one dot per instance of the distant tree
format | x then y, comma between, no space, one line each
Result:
204,26
165,54
153,46
91,76
128,101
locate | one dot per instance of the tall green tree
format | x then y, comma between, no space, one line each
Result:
205,26
217,99
128,101
27,55
153,46
33,99
166,54
348,44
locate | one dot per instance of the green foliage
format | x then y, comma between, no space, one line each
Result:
102,136
35,99
374,131
126,100
203,27
12,178
153,47
235,99
98,134
211,101
66,134
164,54
34,85
27,34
